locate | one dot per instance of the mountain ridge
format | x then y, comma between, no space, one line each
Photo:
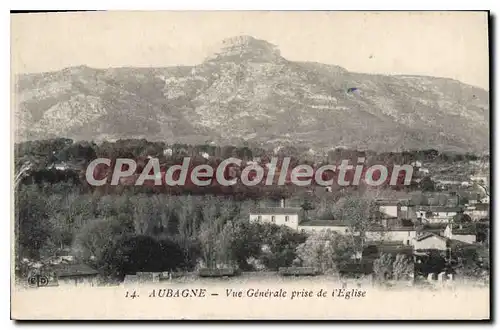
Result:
248,92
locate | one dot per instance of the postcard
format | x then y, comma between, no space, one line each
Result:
250,165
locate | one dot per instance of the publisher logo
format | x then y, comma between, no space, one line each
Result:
38,280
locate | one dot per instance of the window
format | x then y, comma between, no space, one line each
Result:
407,242
273,218
286,218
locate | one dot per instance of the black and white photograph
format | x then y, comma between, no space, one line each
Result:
250,165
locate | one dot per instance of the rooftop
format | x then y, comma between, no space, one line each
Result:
439,208
464,232
388,202
482,207
340,223
276,210
333,223
434,226
429,235
66,270
469,229
391,228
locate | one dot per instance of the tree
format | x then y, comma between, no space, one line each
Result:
471,262
383,267
172,255
207,237
139,253
77,152
281,243
325,251
307,206
223,247
462,218
426,184
97,235
245,243
32,213
358,213
403,267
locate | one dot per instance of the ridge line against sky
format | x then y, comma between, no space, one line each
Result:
439,44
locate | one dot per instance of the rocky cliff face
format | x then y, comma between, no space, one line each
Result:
248,91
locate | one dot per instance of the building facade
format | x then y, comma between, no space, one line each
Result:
320,225
281,216
405,235
430,241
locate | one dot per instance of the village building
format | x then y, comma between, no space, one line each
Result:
480,178
430,241
65,166
286,216
478,211
462,233
74,274
423,170
435,228
436,214
402,234
416,163
168,152
389,208
473,201
391,227
320,225
394,224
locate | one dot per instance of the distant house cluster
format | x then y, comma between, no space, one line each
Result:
418,226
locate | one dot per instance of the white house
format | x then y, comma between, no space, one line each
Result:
277,149
402,234
389,208
416,163
423,170
436,214
62,166
320,225
459,233
405,235
429,241
479,178
286,216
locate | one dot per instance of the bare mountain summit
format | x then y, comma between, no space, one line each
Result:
248,91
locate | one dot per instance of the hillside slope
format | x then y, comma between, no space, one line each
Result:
248,91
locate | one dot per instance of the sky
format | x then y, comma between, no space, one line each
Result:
443,44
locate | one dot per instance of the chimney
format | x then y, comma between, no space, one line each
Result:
282,203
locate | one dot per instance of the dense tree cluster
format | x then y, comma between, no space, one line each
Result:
137,229
127,233
45,153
